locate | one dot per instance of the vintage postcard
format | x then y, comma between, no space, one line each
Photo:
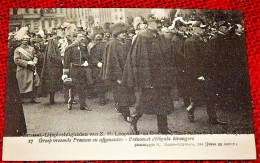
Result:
93,83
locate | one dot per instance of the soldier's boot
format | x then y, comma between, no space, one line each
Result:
133,123
163,125
52,98
191,109
126,113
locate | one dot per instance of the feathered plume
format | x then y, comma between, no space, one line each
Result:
41,33
69,28
137,21
160,13
21,33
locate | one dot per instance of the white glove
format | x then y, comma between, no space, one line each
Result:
119,81
85,64
201,78
99,64
63,77
31,63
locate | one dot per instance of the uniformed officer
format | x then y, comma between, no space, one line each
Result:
26,59
96,50
75,61
201,78
150,68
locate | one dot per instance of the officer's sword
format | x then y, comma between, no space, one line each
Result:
70,91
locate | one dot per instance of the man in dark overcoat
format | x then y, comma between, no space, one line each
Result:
96,50
75,61
112,70
52,70
178,51
200,67
150,68
14,119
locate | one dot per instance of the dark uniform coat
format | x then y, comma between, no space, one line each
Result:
150,67
114,60
14,116
96,51
75,55
52,69
178,52
194,51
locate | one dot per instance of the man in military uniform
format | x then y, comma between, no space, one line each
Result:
26,59
107,32
199,62
96,49
113,66
178,52
150,68
75,61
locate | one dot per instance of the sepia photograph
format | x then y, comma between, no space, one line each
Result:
123,71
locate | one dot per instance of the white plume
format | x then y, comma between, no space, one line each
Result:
137,21
160,13
21,33
41,33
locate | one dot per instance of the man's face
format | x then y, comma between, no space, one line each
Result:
122,35
224,29
98,37
107,36
153,25
79,38
25,41
130,35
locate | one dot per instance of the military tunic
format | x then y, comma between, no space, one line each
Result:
26,75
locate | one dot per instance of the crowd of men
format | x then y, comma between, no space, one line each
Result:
206,64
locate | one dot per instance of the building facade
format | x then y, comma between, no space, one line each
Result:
38,19
45,18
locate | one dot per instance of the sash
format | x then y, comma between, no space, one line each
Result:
25,53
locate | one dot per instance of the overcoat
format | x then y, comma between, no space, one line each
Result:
52,69
150,67
27,78
114,60
14,116
148,63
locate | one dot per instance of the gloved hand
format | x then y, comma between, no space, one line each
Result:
201,78
63,77
31,63
119,81
85,64
99,64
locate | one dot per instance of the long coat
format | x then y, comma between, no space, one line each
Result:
150,67
230,74
52,70
14,119
27,78
114,60
76,54
96,51
149,64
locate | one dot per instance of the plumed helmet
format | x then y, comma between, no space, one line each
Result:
21,33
